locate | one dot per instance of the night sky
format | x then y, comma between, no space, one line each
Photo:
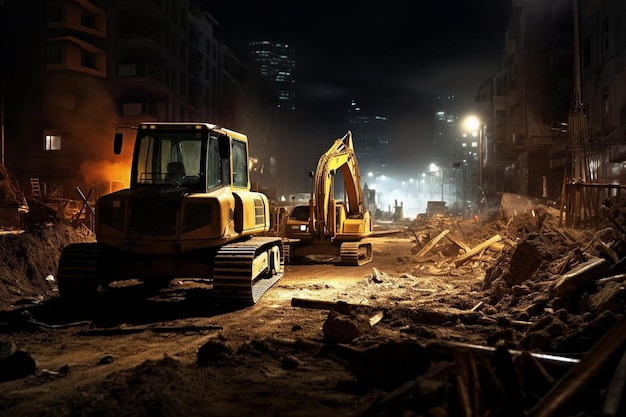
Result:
391,56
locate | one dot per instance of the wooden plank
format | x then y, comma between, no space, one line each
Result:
459,243
376,318
477,249
432,243
320,304
109,331
497,247
615,390
478,306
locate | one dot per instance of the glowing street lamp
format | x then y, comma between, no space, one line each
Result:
434,170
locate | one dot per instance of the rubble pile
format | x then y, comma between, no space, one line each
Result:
549,291
559,280
543,337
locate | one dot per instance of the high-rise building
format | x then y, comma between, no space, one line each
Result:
372,139
445,142
277,63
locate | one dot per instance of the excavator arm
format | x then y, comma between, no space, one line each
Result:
340,157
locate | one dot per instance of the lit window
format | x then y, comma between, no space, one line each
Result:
53,142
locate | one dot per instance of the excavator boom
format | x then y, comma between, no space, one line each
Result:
333,226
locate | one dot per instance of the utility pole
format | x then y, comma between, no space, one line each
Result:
481,154
574,197
2,121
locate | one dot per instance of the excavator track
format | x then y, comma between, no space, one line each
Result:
356,253
244,271
77,273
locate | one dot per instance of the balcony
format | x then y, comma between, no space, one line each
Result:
69,53
143,42
75,18
143,78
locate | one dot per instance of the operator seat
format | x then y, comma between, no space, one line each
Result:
175,172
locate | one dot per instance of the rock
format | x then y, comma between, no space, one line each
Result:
537,340
106,359
587,331
290,362
610,298
520,290
343,326
541,334
15,363
212,351
527,257
538,306
377,277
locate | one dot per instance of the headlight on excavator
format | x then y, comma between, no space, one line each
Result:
300,227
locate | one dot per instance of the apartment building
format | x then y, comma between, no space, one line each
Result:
79,69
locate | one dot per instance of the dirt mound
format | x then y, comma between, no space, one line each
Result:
28,265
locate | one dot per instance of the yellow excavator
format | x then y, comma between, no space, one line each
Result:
189,213
328,226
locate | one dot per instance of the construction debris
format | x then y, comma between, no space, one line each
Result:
476,250
431,243
516,317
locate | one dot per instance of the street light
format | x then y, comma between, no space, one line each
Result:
434,170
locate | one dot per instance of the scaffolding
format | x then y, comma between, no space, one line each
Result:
582,196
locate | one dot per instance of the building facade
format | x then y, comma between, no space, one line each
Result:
372,139
83,68
559,97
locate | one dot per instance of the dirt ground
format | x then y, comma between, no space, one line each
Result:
530,325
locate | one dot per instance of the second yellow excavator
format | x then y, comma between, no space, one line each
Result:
328,226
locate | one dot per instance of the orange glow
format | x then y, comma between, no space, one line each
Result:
99,172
